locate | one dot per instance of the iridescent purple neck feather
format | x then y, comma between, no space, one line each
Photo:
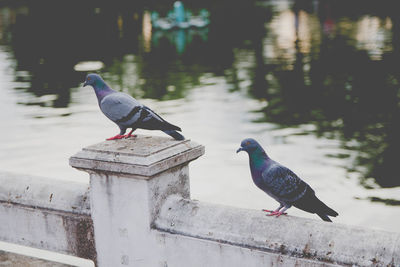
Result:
102,89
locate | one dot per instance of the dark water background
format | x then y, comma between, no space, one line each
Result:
316,82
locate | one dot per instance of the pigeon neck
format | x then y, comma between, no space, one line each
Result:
258,158
101,89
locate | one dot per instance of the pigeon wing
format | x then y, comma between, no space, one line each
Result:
284,184
120,108
152,121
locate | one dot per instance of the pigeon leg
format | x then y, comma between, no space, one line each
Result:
278,209
278,213
118,136
130,134
121,134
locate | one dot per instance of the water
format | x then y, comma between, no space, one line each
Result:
315,82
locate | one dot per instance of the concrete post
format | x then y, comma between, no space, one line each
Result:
130,179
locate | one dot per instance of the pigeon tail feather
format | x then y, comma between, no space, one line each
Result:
310,203
170,126
324,217
326,210
174,134
160,123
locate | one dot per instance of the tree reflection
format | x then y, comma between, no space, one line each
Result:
314,66
349,94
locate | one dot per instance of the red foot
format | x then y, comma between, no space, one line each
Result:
130,135
276,213
268,211
118,136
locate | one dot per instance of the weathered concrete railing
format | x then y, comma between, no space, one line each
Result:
142,215
46,214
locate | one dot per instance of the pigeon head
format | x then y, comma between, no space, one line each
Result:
94,80
250,146
100,87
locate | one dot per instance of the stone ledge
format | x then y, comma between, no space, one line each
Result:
47,214
143,156
315,240
44,193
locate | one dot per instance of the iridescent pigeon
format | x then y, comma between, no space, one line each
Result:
127,112
282,184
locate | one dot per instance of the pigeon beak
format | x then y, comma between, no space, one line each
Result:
240,149
84,84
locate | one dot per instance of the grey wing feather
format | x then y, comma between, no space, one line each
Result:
284,184
152,121
120,107
151,115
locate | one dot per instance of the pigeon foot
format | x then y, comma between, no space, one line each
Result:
277,213
268,211
118,136
130,134
273,211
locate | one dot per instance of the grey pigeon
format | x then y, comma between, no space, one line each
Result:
127,112
282,184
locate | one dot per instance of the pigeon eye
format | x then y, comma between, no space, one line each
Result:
248,143
88,78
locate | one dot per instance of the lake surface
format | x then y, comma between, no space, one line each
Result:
315,82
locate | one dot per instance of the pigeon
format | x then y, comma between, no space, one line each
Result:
282,184
127,112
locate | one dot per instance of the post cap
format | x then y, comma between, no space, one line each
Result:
143,156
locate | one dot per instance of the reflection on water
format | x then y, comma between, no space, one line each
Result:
345,81
322,73
389,201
